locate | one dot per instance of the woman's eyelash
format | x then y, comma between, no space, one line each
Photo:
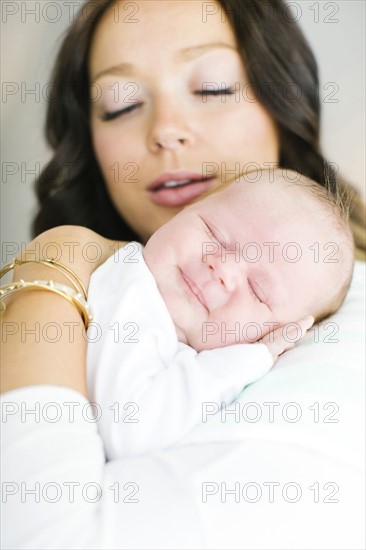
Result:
115,114
221,91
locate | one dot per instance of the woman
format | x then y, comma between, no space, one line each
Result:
182,100
106,188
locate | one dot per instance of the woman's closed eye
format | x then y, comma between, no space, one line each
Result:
215,92
111,115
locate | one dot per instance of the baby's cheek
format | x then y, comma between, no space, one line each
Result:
182,337
217,335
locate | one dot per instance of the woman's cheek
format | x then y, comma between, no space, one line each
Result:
250,127
100,140
265,140
261,122
112,144
107,147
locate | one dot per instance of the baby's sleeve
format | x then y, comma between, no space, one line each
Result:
153,406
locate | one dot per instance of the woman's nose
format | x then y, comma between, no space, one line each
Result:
168,130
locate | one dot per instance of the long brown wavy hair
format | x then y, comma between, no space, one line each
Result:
71,189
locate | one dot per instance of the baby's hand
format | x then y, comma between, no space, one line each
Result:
282,339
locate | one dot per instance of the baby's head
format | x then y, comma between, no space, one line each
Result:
256,254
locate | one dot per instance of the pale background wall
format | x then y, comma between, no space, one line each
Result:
29,41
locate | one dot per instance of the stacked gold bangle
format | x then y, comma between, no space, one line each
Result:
76,297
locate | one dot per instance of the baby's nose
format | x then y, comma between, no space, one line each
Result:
224,273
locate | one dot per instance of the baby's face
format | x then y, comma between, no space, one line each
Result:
233,265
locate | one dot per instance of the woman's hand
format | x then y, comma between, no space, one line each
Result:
43,335
284,338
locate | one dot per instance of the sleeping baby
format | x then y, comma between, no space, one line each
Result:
208,305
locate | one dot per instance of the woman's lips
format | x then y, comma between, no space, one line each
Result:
178,189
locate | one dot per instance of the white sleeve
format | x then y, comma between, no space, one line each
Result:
147,407
58,492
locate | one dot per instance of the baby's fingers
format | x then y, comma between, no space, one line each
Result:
287,336
295,334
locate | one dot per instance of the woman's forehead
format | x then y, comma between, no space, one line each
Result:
158,27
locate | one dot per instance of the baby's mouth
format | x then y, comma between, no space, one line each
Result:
194,289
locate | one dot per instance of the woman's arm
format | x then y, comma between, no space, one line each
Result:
43,336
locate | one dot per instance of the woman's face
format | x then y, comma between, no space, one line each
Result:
165,129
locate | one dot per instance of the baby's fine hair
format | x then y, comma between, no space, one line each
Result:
331,195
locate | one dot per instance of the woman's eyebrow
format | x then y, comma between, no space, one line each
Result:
183,55
194,51
121,69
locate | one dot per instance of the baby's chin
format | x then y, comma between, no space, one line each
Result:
195,343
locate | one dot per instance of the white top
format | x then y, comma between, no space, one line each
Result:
150,390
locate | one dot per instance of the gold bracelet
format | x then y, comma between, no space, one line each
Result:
66,271
74,298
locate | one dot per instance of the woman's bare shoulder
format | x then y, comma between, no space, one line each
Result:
74,246
74,231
